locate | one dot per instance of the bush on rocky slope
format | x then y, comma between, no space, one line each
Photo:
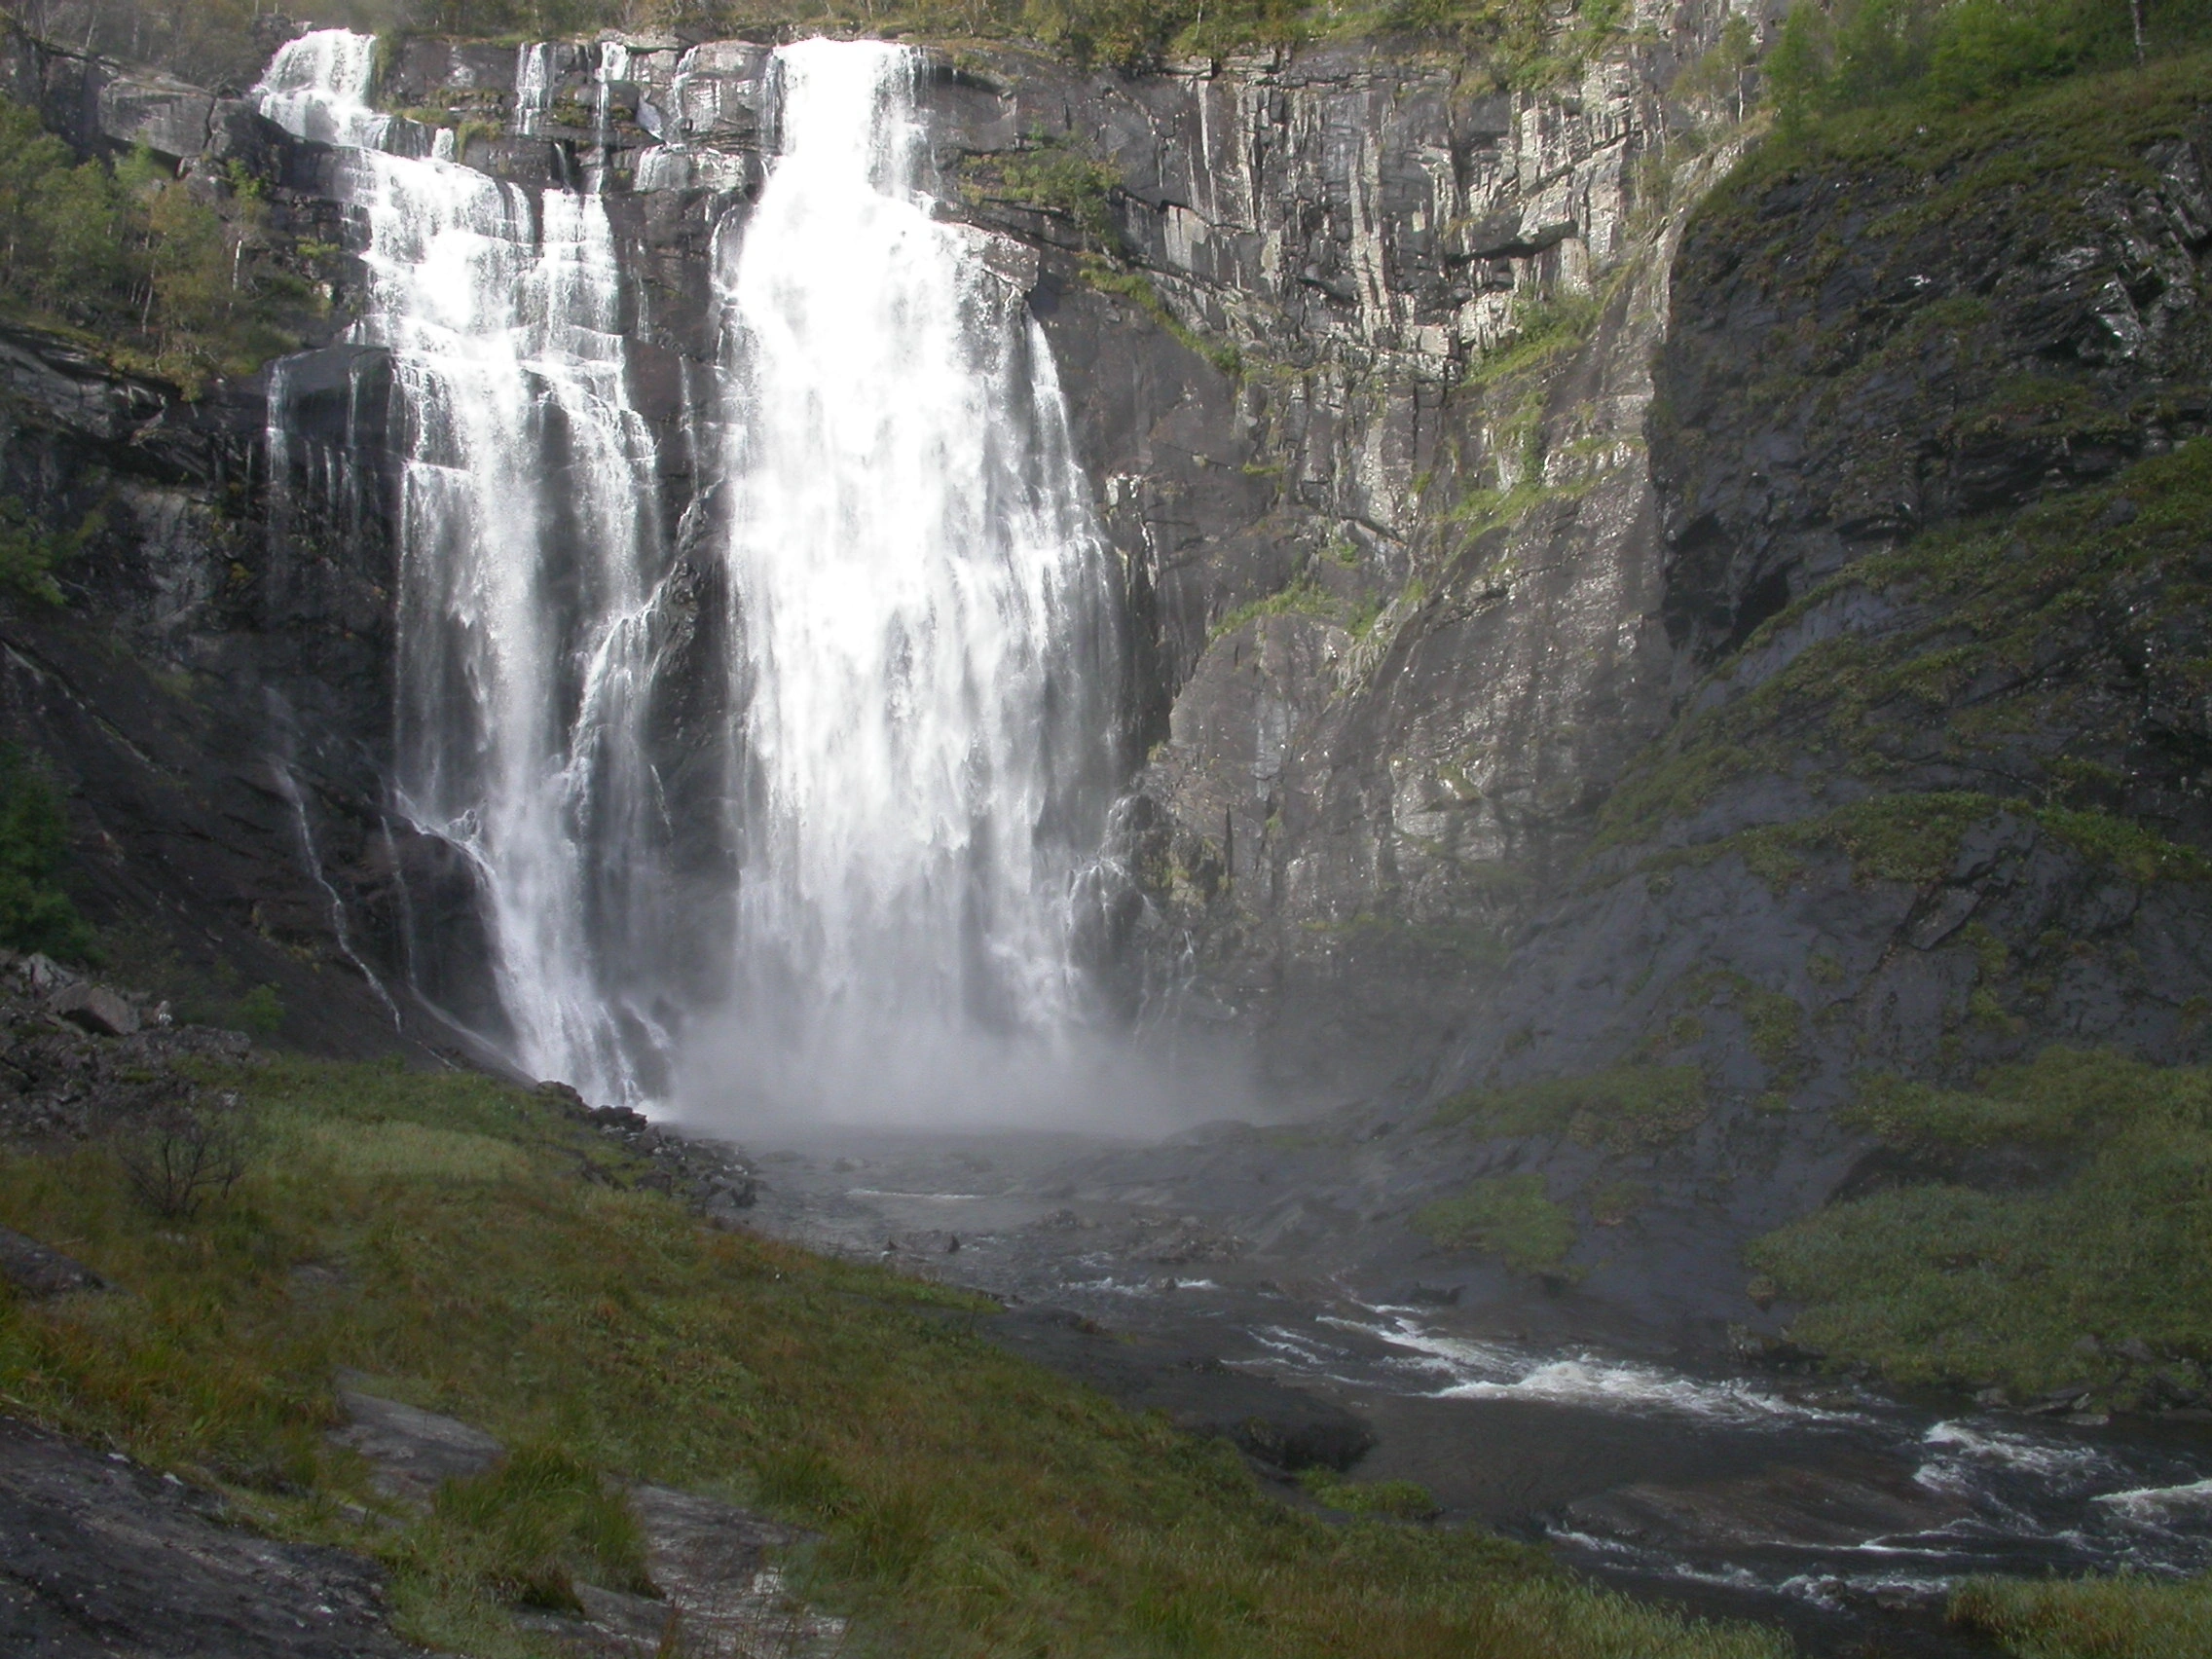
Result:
1836,54
2053,1230
35,914
482,1252
135,264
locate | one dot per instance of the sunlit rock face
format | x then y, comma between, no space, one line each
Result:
1354,729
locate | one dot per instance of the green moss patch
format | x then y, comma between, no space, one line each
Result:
1398,1501
1508,1216
2101,1276
1626,1108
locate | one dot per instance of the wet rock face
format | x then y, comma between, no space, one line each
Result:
98,1557
1857,359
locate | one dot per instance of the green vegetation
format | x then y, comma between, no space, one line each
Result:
1508,1216
1846,54
35,914
1628,1108
1916,838
1519,41
132,264
1134,286
2101,1277
1051,175
1398,1501
1982,609
475,1253
1303,597
29,551
2130,1616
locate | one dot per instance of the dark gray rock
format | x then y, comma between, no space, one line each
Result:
1277,1424
102,1560
37,1270
96,1009
164,115
411,1452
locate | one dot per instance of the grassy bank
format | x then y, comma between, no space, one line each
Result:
2128,1618
481,1255
2054,1236
2071,1245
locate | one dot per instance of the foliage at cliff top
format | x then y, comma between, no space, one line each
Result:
478,1253
1918,58
217,39
133,262
2085,1261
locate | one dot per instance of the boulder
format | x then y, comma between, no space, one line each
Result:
167,116
38,1271
95,1008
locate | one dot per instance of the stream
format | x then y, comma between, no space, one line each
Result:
1845,1515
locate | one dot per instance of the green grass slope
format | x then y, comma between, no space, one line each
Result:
481,1255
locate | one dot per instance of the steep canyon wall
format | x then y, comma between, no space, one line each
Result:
1493,549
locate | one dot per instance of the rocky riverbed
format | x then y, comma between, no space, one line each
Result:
1662,1461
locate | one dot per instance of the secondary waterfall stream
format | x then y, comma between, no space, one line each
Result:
916,694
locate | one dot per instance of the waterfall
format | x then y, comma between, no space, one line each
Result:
529,531
908,665
925,680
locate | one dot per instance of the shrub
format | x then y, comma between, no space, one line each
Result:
260,1010
1623,1109
131,259
182,1156
1503,1215
1842,54
35,914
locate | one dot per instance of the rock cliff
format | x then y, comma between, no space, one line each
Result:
1584,618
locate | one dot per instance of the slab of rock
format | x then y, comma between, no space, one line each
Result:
722,1593
102,1560
37,1270
95,1008
167,116
1277,1424
1781,1505
411,1452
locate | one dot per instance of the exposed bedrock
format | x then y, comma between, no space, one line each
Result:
1528,668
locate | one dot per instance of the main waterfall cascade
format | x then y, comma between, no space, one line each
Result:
916,731
926,677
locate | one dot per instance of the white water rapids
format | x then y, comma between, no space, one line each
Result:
912,706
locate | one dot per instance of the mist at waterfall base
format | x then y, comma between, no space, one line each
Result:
845,885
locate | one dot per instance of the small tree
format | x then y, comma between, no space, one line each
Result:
182,1155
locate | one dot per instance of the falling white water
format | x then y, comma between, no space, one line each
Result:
915,693
528,524
924,674
319,88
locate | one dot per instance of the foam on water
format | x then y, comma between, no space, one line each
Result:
1495,1371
